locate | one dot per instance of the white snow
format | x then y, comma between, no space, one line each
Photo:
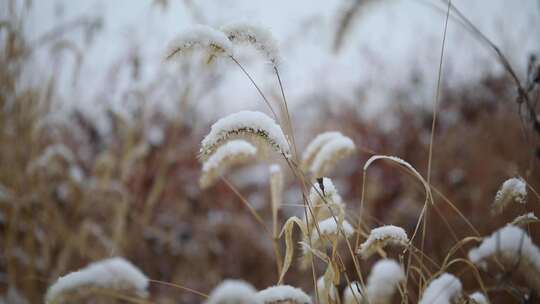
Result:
525,219
199,37
112,273
231,148
283,293
352,294
324,292
331,152
316,145
233,291
387,234
510,242
479,298
383,281
441,290
256,35
329,227
512,190
253,121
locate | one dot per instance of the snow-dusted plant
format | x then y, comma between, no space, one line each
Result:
381,237
513,190
231,153
478,298
233,291
383,281
445,289
200,37
331,231
324,201
332,152
254,126
113,273
283,294
258,37
352,294
326,291
53,152
525,219
315,146
512,247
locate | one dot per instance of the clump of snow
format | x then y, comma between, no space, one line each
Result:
281,293
233,291
113,273
352,294
257,36
200,37
231,153
381,237
443,290
315,146
512,190
525,219
245,122
332,152
478,298
330,228
383,281
511,244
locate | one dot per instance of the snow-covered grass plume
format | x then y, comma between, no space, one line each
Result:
233,291
315,146
513,190
258,37
283,294
525,219
330,230
383,281
332,152
247,125
478,298
326,291
200,37
114,273
229,154
352,294
381,237
445,289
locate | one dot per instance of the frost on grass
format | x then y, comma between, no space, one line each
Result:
258,37
315,146
199,37
327,292
283,294
525,219
381,237
478,298
233,291
383,281
513,190
352,294
231,153
250,125
512,247
445,289
114,273
332,152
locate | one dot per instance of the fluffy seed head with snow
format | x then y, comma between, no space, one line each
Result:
509,245
114,273
383,281
330,154
258,37
199,37
445,289
315,146
513,190
525,219
325,201
253,126
332,231
381,237
231,153
478,298
283,294
233,292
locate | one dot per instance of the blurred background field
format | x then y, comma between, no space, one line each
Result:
99,136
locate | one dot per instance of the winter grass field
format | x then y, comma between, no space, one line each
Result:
281,202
